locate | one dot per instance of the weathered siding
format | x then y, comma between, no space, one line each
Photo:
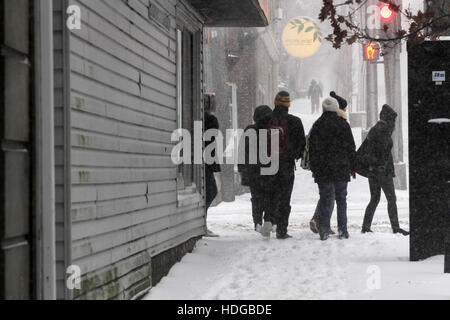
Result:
123,103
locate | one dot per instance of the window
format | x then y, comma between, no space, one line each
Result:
189,106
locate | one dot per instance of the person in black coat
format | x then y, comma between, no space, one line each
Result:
251,172
210,122
381,171
332,152
292,146
342,113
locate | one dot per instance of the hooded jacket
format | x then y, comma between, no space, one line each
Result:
379,144
250,172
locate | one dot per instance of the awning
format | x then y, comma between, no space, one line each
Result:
231,13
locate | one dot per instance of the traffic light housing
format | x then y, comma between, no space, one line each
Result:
387,14
371,52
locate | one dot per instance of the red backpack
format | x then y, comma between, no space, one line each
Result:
283,139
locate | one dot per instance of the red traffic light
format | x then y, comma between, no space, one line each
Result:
371,52
386,13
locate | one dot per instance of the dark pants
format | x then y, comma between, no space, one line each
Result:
315,105
330,192
260,201
377,183
279,199
211,187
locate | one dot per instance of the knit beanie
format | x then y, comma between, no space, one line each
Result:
283,99
342,102
330,105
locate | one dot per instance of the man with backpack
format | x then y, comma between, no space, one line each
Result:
332,151
375,161
292,143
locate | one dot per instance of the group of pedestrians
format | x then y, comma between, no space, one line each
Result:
329,152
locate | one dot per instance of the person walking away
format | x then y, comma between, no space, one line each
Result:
332,150
251,173
292,143
342,112
315,93
381,171
210,122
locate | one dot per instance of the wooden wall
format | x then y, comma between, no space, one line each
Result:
123,100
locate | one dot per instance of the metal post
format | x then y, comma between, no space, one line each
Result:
372,94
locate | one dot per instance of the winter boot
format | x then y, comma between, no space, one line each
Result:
343,234
401,231
366,230
266,229
324,236
283,236
314,225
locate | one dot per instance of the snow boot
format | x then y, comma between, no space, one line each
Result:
266,229
283,236
314,225
343,235
324,236
401,231
210,234
366,230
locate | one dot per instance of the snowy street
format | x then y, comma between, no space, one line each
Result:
241,265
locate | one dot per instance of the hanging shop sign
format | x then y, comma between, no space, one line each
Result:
302,37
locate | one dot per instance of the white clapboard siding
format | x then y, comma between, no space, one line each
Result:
123,100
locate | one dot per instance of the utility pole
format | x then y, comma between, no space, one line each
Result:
392,72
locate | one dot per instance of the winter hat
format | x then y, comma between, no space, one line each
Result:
330,105
262,113
283,99
342,102
388,114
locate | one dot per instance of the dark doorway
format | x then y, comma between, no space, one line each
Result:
429,148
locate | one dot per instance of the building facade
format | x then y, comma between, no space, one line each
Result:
242,69
92,205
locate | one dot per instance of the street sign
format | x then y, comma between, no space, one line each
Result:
438,76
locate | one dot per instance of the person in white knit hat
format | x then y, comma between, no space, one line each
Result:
332,150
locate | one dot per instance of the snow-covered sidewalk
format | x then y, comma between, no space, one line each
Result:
241,265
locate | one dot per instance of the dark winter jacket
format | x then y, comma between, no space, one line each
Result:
296,134
211,122
379,144
252,172
332,149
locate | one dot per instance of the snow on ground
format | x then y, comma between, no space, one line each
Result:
241,265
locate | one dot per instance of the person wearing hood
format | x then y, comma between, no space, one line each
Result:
332,150
292,145
251,173
381,171
342,113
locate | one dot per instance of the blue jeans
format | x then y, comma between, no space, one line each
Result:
330,192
